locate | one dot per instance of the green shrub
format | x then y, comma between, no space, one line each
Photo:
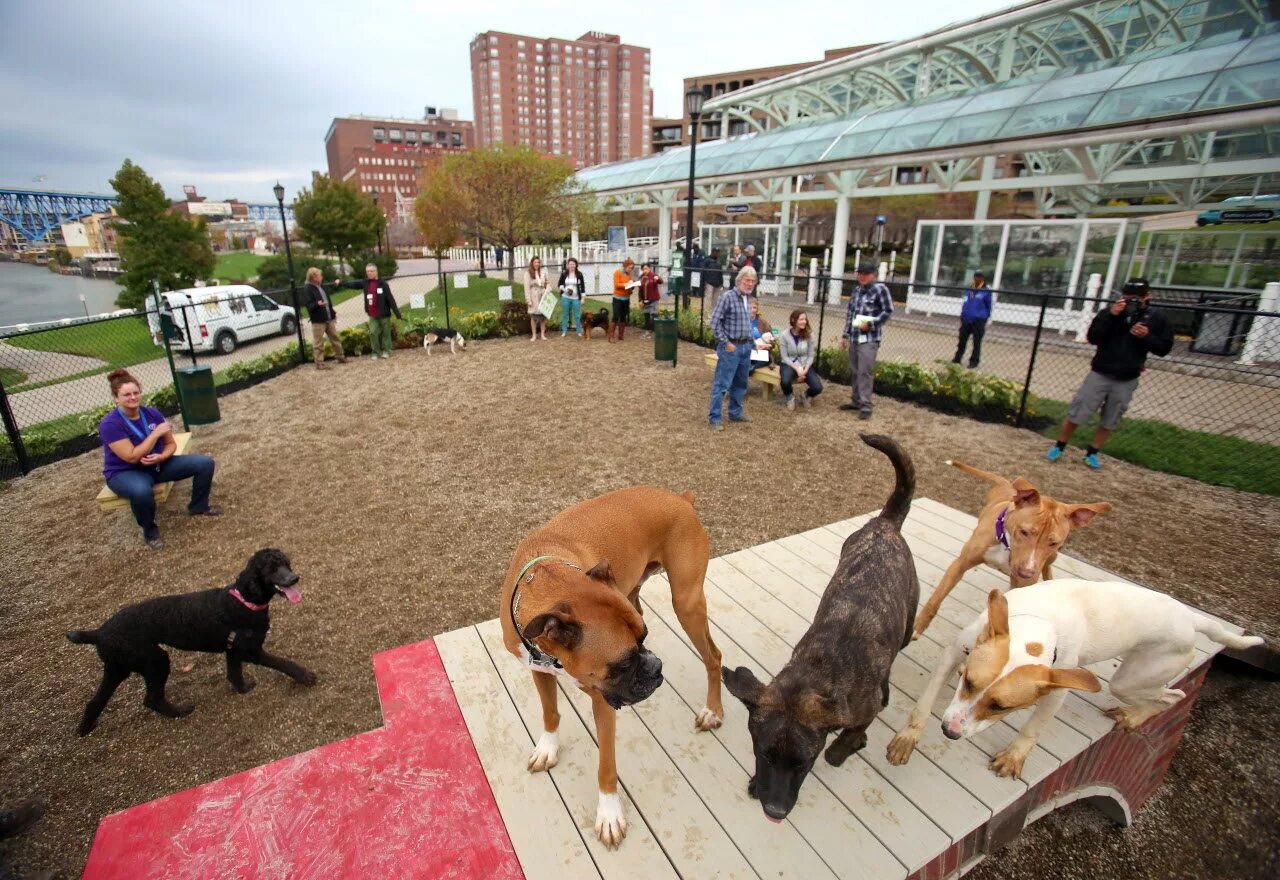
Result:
386,263
480,325
513,318
273,272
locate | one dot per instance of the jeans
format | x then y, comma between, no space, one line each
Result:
976,329
862,369
788,375
380,335
731,376
137,485
570,313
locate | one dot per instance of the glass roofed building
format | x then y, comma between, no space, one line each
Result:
1103,100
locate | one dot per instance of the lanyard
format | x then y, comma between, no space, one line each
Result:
142,432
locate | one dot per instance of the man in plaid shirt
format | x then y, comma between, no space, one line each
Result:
870,306
731,326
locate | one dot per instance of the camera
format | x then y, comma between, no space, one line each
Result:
1133,306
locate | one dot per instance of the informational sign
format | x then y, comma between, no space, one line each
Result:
504,292
736,209
1251,215
460,280
418,301
210,209
617,238
695,280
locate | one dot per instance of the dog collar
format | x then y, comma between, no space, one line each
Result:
235,594
536,659
1000,533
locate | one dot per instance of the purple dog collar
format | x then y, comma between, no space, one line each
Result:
1000,535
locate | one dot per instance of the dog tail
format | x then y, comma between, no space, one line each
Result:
970,469
1216,631
83,636
895,509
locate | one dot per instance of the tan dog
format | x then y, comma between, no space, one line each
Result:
570,607
1020,532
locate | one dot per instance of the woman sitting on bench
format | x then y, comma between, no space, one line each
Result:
138,452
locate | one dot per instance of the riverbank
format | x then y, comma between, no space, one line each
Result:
29,294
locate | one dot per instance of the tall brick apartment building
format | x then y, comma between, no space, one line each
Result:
387,154
588,99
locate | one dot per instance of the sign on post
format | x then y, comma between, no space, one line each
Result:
736,209
418,301
460,280
504,292
617,238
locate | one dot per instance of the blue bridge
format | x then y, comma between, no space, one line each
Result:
36,213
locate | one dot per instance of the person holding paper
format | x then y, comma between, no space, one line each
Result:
622,287
762,338
535,287
870,306
573,287
650,293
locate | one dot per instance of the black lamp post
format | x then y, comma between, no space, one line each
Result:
480,245
375,193
293,285
693,101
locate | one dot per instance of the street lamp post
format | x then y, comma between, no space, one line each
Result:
293,285
375,193
480,244
693,100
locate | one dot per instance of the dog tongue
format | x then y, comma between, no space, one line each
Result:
293,594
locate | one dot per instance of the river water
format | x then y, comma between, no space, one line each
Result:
33,293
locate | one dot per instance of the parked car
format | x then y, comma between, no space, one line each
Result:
219,318
1242,209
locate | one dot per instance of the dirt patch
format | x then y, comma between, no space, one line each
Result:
400,488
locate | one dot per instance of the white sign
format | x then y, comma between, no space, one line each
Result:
504,292
213,209
418,301
460,280
695,280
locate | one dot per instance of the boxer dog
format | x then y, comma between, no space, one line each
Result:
570,608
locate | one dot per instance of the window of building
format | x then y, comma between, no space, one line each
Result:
379,134
493,53
492,40
456,138
520,44
395,134
442,136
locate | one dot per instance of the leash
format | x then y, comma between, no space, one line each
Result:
537,659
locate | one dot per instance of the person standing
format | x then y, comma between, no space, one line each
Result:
1124,334
798,352
650,292
324,320
731,327
497,256
573,287
622,285
712,277
870,306
379,306
974,312
750,259
535,288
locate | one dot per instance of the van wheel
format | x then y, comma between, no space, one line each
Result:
288,324
225,342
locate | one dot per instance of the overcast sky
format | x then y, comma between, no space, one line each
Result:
230,96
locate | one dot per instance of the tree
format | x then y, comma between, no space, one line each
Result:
513,195
273,272
439,211
336,217
61,256
402,235
155,245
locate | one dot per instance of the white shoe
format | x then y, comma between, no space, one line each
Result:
791,403
385,355
808,401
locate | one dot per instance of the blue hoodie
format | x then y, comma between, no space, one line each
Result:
977,304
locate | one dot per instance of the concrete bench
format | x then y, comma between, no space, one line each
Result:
108,500
769,377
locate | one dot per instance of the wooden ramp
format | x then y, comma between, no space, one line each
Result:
685,792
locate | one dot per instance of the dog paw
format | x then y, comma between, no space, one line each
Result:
611,823
1127,718
546,753
751,789
900,748
245,686
85,729
1008,763
707,720
307,677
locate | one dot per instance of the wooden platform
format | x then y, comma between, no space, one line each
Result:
769,377
685,792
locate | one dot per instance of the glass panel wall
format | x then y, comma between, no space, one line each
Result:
926,243
964,250
1038,260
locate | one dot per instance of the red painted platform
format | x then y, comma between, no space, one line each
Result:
409,800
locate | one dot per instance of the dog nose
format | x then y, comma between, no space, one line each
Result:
950,731
1026,572
291,579
774,813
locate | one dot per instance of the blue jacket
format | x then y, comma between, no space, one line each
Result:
977,304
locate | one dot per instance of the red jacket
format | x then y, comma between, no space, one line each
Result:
649,287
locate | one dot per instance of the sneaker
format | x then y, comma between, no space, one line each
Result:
808,402
1093,461
385,355
322,366
373,357
742,418
865,415
717,426
212,510
973,365
1053,454
791,403
155,543
848,407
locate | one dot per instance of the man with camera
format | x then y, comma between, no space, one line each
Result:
1124,333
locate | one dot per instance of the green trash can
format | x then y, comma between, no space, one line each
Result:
198,395
664,339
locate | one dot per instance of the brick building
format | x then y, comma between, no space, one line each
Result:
387,154
588,99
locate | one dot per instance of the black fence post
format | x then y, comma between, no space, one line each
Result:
11,429
444,286
1031,364
823,281
168,349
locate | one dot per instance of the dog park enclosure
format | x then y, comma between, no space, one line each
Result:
459,712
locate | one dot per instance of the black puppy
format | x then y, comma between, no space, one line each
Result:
233,620
838,675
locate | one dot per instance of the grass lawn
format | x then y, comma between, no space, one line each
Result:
118,342
237,264
1211,458
480,295
11,378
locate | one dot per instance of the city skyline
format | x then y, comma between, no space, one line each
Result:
233,98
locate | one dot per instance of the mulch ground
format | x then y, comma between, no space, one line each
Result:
399,489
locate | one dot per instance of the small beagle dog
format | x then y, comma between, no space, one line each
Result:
1032,646
434,334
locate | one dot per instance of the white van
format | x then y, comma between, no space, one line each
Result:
220,318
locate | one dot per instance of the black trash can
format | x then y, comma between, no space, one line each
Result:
198,395
664,339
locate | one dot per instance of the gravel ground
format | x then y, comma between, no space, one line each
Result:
399,488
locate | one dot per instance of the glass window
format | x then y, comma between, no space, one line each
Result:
970,127
411,137
1159,70
1243,85
998,99
1080,84
908,137
1149,99
1260,49
934,110
379,134
1038,260
1066,113
456,138
924,255
395,134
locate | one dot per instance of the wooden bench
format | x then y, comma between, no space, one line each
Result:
108,500
769,377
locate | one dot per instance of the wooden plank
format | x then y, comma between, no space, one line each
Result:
575,775
108,500
541,829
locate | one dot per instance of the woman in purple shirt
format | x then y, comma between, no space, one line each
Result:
138,452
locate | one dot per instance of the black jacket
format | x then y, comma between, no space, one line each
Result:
384,302
1121,355
317,305
711,273
581,285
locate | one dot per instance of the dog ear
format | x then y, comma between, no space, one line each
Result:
743,684
819,712
601,571
558,625
1026,493
1081,514
997,616
1077,679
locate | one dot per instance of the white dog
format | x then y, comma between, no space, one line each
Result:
1032,644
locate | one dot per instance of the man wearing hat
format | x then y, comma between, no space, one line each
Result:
870,305
1124,333
973,318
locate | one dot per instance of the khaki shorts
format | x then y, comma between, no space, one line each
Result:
1112,396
